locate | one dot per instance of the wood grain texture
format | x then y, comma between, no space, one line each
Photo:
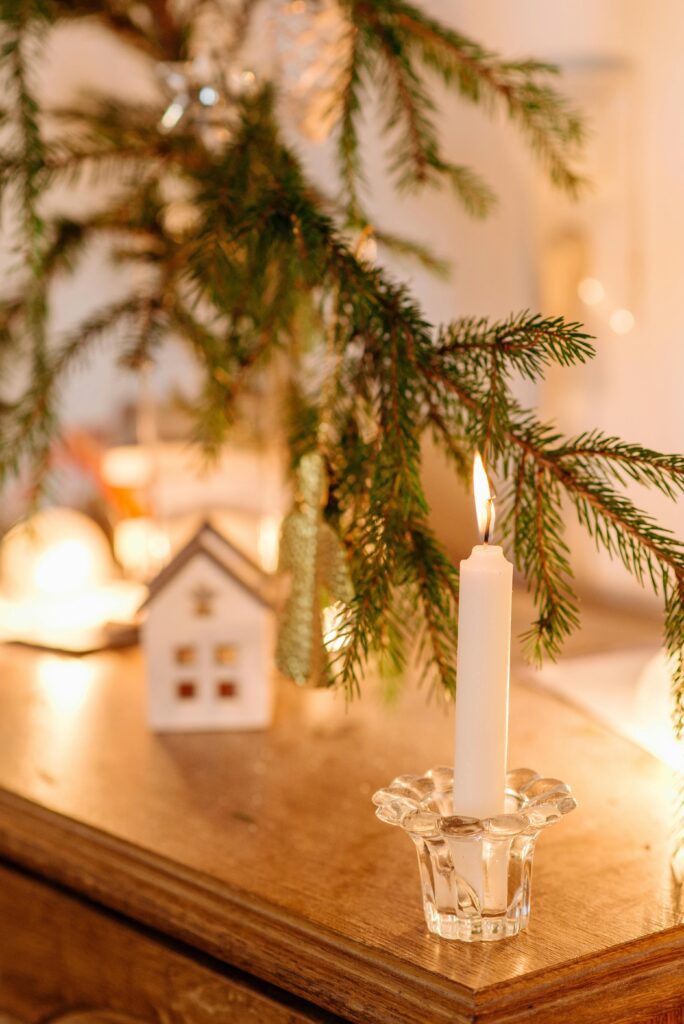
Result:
58,953
262,850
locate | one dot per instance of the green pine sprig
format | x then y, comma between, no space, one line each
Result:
268,290
395,47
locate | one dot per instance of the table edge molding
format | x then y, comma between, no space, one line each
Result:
248,933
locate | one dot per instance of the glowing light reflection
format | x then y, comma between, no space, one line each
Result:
65,683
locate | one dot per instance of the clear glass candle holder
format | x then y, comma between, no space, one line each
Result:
475,873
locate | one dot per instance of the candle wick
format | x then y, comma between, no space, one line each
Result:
488,524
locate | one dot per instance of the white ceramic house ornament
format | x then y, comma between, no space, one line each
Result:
208,640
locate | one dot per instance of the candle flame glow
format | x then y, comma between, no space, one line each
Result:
484,500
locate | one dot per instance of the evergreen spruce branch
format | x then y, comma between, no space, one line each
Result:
99,127
437,590
78,343
116,18
415,156
394,526
12,311
242,16
395,532
250,333
158,32
30,425
265,248
147,334
648,551
224,355
23,23
98,163
673,588
610,517
622,529
392,507
358,225
536,523
65,165
410,109
477,197
553,130
594,451
524,343
403,246
450,439
68,238
348,146
99,131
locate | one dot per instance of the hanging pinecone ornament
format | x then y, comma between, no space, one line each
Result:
312,555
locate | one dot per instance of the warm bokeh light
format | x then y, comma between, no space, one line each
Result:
141,546
591,291
172,115
653,710
57,581
621,321
54,619
484,506
268,542
57,552
128,466
66,565
335,635
367,250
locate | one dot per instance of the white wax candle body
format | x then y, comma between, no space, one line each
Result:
484,643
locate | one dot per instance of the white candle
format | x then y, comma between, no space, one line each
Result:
484,641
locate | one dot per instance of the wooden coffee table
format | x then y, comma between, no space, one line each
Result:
243,877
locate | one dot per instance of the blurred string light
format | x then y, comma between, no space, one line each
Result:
592,292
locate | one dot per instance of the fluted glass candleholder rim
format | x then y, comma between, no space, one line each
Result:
422,805
475,873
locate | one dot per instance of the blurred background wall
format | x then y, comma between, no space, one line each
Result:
622,64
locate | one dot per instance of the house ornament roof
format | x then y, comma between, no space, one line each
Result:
225,556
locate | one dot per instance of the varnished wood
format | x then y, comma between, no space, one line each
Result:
58,952
262,849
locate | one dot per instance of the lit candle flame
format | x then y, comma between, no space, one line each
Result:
484,500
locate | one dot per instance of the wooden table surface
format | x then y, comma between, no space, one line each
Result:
262,849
